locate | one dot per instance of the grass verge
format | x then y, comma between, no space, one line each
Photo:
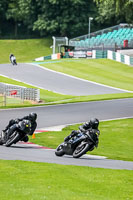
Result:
115,139
29,180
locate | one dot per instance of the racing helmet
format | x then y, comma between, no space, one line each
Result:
94,123
32,116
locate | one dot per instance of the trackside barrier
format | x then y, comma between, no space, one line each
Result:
53,57
113,56
20,92
99,54
120,57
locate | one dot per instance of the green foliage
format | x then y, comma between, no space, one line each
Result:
117,11
58,17
63,17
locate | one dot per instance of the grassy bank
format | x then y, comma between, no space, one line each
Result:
115,140
24,50
29,180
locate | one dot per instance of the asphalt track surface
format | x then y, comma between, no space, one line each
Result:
62,115
54,81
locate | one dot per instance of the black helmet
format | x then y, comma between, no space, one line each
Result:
94,123
32,116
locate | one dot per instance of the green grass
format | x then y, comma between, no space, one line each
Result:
102,71
31,181
24,50
116,139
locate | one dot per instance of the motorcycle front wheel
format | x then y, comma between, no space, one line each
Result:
15,137
81,150
59,150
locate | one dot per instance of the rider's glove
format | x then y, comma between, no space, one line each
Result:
16,120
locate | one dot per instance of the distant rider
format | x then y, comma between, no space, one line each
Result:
13,59
13,124
91,126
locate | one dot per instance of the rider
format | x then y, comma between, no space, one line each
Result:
91,126
12,59
12,126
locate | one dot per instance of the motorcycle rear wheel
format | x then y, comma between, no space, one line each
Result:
15,137
59,150
1,143
81,150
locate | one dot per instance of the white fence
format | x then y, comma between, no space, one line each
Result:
23,93
120,57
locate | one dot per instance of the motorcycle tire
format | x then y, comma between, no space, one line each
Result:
81,150
15,137
1,143
59,150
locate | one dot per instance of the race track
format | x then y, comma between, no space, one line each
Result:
62,115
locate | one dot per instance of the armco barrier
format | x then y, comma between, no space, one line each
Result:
20,92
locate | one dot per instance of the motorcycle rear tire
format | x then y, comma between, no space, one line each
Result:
59,151
81,150
1,143
15,137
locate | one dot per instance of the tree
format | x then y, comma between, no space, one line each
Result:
114,11
3,8
63,17
13,12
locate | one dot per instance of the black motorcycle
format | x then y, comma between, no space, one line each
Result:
79,144
13,62
23,129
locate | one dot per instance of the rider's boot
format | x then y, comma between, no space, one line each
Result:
25,139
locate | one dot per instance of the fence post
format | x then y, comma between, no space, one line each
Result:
5,97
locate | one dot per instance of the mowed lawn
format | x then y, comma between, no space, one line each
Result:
25,50
21,180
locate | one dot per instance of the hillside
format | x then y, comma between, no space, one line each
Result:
24,50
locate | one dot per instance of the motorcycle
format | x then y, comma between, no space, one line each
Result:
79,144
23,129
13,60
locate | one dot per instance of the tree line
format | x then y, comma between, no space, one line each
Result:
60,17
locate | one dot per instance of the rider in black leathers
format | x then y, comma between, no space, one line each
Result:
13,59
13,124
91,126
